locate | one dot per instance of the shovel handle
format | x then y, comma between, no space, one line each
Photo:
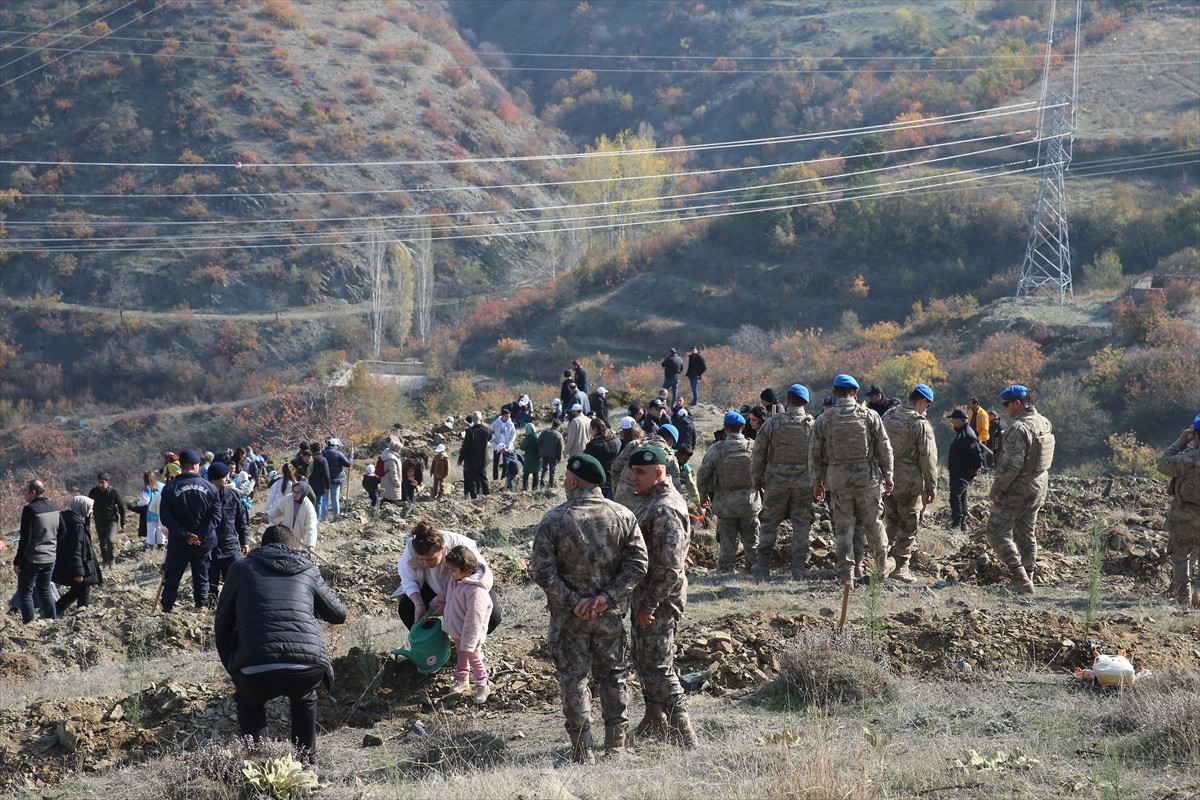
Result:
845,605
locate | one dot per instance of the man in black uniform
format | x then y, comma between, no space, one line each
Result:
232,534
965,462
190,510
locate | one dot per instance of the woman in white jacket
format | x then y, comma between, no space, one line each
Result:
279,493
300,515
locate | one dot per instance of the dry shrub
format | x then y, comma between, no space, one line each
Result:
455,749
1169,718
214,771
823,668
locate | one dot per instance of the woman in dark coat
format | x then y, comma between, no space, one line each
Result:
604,446
75,560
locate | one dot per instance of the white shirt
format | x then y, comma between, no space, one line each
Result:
504,434
413,573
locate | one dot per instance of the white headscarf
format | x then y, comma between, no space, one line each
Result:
82,505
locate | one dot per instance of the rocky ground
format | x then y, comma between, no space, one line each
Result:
107,688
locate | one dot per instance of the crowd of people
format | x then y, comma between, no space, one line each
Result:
616,547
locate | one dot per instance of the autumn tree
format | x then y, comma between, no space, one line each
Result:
1003,359
618,180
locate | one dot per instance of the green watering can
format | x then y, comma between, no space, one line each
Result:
428,645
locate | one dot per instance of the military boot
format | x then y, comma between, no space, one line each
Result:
1183,594
653,724
902,573
614,741
1196,598
762,570
581,747
858,571
1021,584
679,728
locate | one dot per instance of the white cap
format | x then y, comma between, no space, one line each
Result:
524,401
370,469
332,442
602,390
441,448
577,407
627,423
681,412
449,420
556,402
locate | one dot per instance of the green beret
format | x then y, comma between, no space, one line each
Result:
648,456
586,468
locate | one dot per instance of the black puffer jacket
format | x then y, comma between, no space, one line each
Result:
604,449
269,609
75,555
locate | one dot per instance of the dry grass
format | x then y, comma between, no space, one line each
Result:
826,668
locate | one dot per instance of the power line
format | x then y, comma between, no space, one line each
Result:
789,69
61,37
885,191
85,44
755,187
924,122
608,56
31,34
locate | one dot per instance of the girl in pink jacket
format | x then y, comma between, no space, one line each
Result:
465,619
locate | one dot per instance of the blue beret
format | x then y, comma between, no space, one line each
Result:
924,391
647,456
1196,423
671,429
734,418
1014,392
217,470
845,382
796,390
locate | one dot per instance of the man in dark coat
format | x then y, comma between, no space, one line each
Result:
695,371
268,635
319,477
580,377
672,368
109,512
190,510
232,532
473,457
41,525
686,426
599,403
965,461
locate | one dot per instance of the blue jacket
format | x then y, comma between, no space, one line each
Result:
338,461
190,504
232,528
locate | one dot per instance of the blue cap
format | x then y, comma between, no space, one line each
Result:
1196,423
796,390
845,382
734,418
1014,392
671,429
924,391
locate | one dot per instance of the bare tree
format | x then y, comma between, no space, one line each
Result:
379,273
422,258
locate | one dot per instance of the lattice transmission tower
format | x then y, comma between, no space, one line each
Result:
1047,261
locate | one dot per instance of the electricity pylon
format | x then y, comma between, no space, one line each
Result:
1047,260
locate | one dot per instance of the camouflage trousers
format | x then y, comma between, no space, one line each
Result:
780,503
1011,523
901,512
729,531
849,508
1183,539
653,650
595,647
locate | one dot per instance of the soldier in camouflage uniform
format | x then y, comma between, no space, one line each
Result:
915,466
625,495
588,555
1019,489
724,475
850,456
1181,462
779,469
658,601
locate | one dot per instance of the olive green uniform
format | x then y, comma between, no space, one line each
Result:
1022,477
725,474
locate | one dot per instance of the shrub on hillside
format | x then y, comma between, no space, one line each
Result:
1002,359
825,668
